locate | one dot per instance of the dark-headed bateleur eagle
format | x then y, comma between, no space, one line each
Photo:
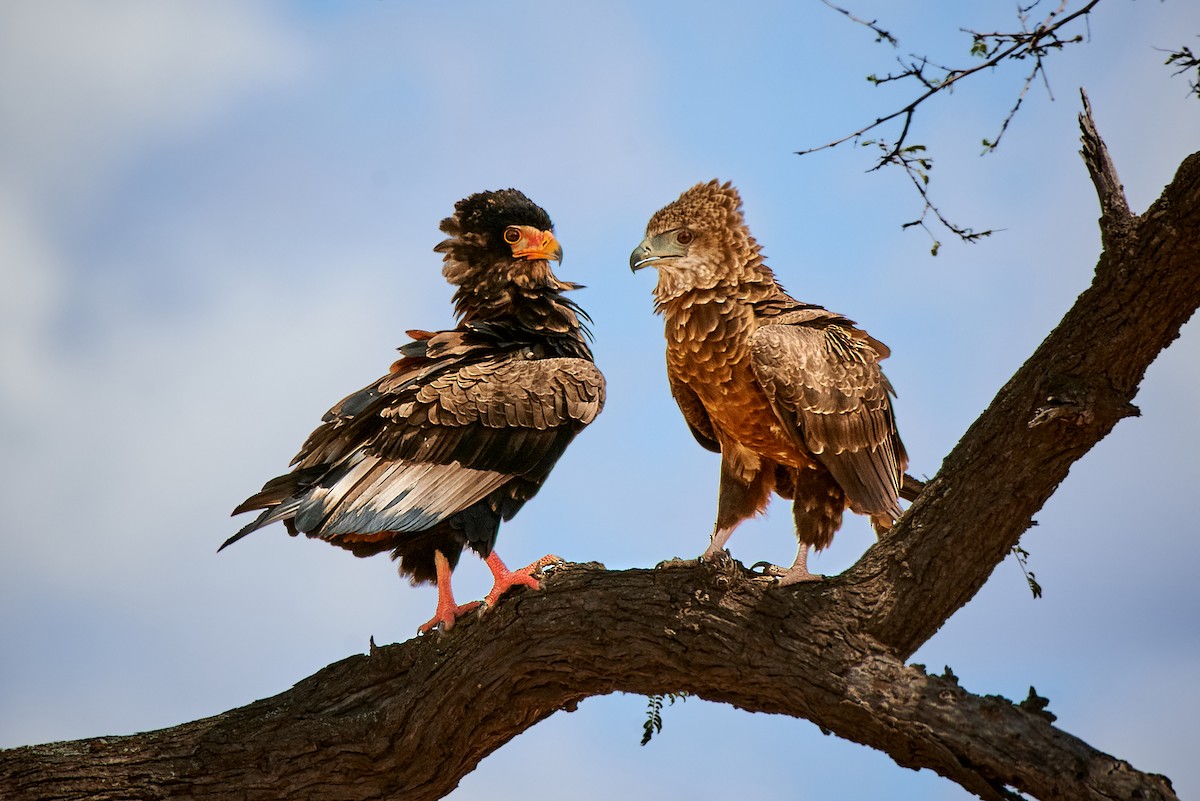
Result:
466,426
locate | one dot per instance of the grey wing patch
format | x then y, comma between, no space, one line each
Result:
381,495
369,494
826,386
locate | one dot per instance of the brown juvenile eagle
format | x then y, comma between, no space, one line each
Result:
466,425
790,394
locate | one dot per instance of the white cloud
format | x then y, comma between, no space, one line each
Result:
32,286
85,88
86,85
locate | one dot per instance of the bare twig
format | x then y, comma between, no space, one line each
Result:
1186,60
880,34
1030,42
1022,556
1019,46
917,166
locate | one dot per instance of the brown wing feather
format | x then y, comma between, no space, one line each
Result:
825,385
509,414
429,440
698,421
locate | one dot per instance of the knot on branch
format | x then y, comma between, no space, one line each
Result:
1037,705
1077,402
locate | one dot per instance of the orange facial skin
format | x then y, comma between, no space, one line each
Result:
528,242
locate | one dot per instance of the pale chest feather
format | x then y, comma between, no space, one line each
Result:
708,350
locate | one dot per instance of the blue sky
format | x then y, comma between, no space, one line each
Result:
216,219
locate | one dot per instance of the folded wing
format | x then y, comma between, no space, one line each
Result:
823,378
452,424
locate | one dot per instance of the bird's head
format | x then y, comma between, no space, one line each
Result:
698,242
497,239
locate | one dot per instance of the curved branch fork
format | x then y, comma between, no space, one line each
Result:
410,720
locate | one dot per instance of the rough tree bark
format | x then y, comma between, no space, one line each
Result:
834,653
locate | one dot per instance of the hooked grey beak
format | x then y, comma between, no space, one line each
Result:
656,248
641,256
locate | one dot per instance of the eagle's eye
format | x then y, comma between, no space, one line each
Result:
511,235
684,237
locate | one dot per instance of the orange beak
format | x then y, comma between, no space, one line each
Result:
535,244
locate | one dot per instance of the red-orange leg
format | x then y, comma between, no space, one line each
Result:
447,612
506,579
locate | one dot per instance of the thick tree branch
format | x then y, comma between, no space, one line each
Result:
377,726
1064,399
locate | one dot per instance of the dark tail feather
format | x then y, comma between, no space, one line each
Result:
911,488
273,493
279,499
258,523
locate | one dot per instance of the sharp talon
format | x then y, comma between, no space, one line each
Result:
505,579
547,564
445,619
447,611
517,578
549,560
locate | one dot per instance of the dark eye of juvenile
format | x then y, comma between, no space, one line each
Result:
684,237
